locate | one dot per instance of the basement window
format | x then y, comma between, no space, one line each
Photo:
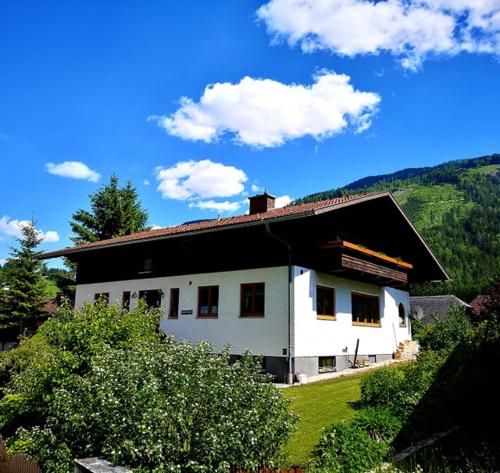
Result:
208,301
326,364
325,302
252,300
365,310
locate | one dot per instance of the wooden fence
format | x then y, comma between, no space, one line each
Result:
16,463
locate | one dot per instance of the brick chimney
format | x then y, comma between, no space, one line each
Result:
260,204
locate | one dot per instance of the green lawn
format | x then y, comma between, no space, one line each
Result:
318,405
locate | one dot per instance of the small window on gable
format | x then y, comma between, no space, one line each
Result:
325,302
365,309
208,301
252,300
102,297
173,313
402,315
126,300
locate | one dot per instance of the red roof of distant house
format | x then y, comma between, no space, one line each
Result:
300,210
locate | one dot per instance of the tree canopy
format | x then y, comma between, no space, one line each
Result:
115,211
24,288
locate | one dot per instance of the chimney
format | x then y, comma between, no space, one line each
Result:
260,204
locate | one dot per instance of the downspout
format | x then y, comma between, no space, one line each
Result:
289,375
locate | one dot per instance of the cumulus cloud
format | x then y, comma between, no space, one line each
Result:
282,201
13,228
266,113
74,170
407,29
225,206
200,180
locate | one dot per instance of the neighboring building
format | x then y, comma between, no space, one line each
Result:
298,285
425,308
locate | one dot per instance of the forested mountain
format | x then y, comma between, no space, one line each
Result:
456,207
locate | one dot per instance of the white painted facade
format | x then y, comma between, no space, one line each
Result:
268,335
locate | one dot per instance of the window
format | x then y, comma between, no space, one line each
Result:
102,296
325,302
365,309
146,266
174,303
208,301
151,297
252,300
402,315
326,364
126,300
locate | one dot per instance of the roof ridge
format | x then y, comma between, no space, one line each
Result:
291,211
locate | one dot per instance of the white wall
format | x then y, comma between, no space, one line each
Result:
266,336
315,337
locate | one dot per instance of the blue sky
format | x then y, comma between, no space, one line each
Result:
329,96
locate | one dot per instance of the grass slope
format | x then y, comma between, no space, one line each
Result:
318,405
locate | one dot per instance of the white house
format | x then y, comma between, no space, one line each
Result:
299,285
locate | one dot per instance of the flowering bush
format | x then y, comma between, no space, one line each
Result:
149,404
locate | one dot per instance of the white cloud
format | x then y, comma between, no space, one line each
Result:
3,261
407,29
74,170
256,188
13,228
225,206
146,182
265,112
282,201
200,180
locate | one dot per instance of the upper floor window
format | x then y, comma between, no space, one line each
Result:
252,299
365,309
146,265
208,301
402,315
173,313
325,302
102,296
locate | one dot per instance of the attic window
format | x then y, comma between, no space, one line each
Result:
147,265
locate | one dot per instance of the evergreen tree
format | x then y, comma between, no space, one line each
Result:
24,285
114,212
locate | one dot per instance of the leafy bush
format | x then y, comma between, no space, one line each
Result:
124,395
344,448
446,334
378,422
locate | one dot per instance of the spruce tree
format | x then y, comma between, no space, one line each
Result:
114,212
24,285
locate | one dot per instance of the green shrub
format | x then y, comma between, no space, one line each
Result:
88,385
447,333
344,448
382,387
379,423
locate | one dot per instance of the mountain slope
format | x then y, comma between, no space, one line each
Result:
456,208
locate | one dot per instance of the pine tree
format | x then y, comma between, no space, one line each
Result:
114,212
24,285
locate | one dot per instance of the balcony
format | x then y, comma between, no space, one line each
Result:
353,261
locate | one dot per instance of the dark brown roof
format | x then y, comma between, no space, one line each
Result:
293,211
